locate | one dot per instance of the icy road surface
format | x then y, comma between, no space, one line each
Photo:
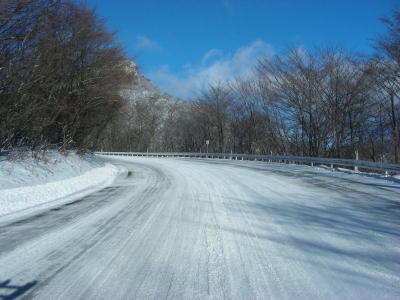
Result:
197,229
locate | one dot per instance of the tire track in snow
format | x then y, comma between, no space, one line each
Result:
195,229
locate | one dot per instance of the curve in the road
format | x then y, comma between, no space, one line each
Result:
194,229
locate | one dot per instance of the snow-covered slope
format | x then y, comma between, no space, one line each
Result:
28,185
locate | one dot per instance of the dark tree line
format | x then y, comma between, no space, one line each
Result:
326,102
61,73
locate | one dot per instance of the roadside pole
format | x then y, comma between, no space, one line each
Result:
356,168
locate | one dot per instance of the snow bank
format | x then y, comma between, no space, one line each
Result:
28,185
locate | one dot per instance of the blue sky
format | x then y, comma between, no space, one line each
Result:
183,44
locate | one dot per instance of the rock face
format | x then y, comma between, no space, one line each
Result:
143,88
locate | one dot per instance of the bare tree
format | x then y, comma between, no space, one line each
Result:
295,79
320,100
253,127
387,74
347,98
61,73
214,106
20,85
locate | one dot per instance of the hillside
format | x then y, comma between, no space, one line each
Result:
150,119
142,89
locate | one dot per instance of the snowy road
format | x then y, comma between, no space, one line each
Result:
196,228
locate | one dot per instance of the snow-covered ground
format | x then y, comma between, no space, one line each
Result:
212,229
29,185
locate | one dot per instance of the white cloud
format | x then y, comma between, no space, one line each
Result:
213,66
210,54
145,43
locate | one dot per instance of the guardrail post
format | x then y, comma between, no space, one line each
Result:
355,167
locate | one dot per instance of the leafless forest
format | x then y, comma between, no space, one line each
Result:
66,81
61,71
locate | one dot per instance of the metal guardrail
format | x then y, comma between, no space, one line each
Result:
367,165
